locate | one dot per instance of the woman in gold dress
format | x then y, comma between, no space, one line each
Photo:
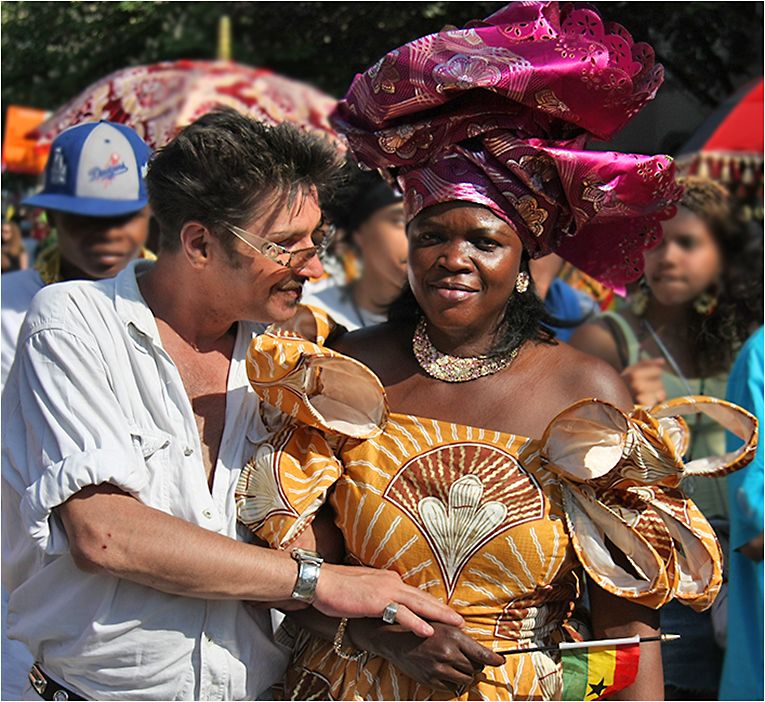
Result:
459,444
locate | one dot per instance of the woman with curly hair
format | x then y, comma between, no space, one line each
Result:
698,301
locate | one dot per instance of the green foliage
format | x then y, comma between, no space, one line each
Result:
710,48
51,51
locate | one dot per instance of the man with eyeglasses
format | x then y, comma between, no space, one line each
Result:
127,419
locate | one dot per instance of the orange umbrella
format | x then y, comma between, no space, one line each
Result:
19,153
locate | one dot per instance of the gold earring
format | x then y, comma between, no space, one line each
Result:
705,303
640,299
522,282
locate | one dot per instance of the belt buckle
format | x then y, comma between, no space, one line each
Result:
36,677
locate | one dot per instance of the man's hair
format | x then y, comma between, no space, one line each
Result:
226,168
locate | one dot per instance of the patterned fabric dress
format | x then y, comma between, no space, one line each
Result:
496,525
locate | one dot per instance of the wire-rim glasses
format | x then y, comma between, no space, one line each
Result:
322,237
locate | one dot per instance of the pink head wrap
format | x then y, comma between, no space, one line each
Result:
499,113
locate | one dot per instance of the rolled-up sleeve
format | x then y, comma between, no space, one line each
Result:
64,429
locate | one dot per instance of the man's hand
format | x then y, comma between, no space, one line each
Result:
447,660
644,381
357,591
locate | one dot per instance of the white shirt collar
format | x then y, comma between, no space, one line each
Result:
130,304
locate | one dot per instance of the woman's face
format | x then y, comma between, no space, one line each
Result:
7,232
463,263
381,238
687,261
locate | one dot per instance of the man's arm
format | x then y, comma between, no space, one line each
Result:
111,532
745,487
447,659
68,451
754,549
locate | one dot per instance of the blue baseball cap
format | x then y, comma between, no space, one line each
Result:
95,169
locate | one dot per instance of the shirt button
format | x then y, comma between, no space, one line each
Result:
207,513
188,451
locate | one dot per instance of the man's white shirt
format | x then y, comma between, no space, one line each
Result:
92,397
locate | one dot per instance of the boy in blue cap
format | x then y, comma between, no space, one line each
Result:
95,198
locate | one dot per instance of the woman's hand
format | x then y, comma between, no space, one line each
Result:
644,381
447,660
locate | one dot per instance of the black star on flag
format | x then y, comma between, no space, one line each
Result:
597,689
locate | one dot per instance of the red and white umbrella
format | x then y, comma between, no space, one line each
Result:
160,99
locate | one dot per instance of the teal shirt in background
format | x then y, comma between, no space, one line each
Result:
742,677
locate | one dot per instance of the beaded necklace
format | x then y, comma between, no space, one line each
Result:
453,369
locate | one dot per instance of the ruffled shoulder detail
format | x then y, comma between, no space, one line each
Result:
312,399
620,474
291,370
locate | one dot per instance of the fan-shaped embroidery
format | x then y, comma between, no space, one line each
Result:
461,496
457,527
259,490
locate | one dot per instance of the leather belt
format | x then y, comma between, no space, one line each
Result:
49,689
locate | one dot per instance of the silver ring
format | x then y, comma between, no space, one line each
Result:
389,615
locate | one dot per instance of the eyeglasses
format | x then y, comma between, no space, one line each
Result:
322,237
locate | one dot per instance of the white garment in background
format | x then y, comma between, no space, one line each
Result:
16,292
337,301
93,397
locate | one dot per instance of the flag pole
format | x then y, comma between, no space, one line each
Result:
568,645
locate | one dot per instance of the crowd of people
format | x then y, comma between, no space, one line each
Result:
287,420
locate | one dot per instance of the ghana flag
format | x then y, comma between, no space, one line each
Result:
592,669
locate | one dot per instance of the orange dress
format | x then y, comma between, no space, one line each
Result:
498,526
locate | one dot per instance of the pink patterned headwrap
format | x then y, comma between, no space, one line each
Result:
499,113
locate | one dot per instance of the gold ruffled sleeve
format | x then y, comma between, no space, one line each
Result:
312,399
620,474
